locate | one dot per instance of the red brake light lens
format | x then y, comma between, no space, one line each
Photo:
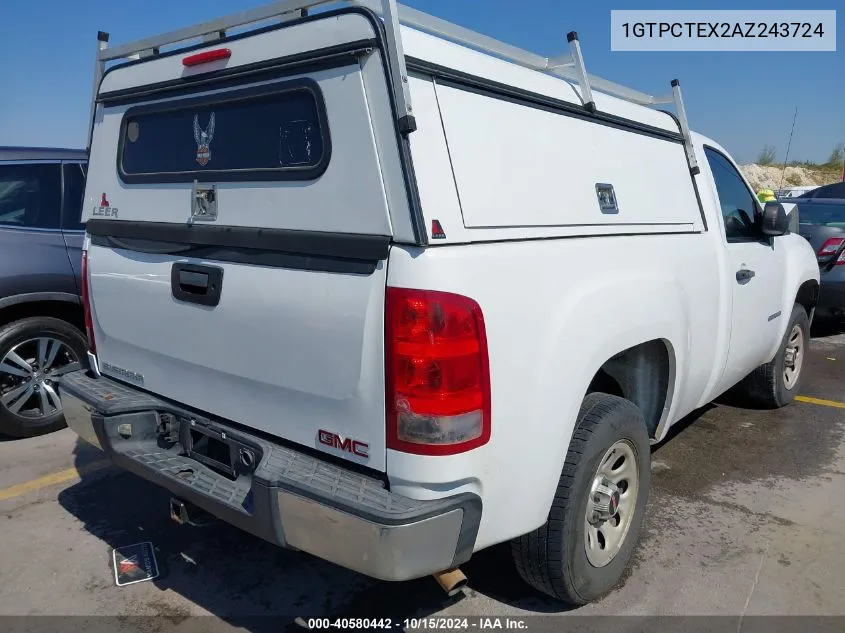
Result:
437,373
86,303
207,57
831,246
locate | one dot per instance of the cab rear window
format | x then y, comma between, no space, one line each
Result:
276,132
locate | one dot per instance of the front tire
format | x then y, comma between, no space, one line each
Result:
776,383
34,353
593,526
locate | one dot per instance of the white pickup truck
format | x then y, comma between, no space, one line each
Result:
374,287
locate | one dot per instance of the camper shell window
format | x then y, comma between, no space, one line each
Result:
268,132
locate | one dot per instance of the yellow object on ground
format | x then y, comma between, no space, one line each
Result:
766,195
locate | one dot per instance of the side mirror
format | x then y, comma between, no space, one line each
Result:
792,213
775,219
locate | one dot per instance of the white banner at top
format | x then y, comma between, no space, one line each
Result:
728,30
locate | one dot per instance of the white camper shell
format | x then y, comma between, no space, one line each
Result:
376,287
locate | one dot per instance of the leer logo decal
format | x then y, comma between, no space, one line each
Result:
203,139
105,209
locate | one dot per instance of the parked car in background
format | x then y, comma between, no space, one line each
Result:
834,191
794,192
41,318
822,222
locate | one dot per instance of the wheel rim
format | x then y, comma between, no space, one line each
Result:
28,373
793,357
611,503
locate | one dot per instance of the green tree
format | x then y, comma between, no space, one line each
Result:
767,155
837,156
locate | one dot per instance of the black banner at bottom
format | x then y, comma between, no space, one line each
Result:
433,624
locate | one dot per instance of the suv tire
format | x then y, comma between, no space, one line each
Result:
24,335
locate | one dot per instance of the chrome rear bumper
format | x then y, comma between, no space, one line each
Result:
78,417
291,498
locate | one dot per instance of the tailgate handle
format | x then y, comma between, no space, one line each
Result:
188,281
193,283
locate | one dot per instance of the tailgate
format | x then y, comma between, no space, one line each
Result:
238,235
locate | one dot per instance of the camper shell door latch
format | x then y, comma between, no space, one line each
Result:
203,203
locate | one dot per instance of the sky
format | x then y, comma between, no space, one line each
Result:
742,100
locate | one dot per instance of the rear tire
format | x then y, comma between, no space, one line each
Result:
557,558
776,384
20,335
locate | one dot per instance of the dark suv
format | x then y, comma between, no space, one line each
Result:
41,317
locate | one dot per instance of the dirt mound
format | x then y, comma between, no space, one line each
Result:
774,177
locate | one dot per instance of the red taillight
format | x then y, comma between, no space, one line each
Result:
206,57
86,304
831,246
437,373
840,261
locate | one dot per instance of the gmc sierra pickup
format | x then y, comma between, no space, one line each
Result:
371,286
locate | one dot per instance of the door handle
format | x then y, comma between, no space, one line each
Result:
744,275
194,283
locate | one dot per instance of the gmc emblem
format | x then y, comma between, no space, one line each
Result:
347,445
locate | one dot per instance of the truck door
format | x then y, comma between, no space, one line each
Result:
754,273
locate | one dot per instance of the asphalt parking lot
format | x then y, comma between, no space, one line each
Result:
745,518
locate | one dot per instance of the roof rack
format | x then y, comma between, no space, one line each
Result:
569,66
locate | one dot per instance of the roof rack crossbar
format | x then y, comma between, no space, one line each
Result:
561,65
570,66
242,18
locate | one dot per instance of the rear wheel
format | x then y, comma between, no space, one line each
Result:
34,353
593,526
776,383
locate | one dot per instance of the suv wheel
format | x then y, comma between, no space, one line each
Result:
34,352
